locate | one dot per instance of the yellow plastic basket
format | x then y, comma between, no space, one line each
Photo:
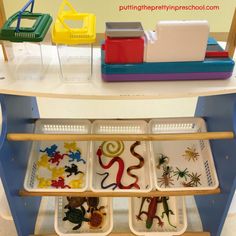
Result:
63,34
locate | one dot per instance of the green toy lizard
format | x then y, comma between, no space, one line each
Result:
166,210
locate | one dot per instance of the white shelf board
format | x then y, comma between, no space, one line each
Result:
52,85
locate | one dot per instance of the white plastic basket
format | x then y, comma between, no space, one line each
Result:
200,164
179,219
65,228
5,211
36,172
121,127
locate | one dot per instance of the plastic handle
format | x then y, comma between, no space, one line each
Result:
30,2
61,10
66,3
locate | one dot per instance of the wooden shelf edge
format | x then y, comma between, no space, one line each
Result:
188,233
24,193
184,234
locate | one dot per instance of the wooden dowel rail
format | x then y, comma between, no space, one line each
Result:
25,193
231,41
188,233
2,21
124,137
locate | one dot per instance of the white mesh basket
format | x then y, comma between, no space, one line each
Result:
44,168
178,219
120,127
65,228
190,163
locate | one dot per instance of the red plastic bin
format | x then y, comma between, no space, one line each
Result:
124,50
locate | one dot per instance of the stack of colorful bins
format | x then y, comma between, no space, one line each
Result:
176,50
124,43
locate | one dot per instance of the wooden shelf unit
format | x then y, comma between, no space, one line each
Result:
19,107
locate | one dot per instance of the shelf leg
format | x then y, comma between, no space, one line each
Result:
18,114
220,114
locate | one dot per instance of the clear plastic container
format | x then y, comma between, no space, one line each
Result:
177,224
74,33
28,60
65,228
182,165
108,179
76,62
59,166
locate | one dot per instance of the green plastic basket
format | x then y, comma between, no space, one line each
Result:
35,33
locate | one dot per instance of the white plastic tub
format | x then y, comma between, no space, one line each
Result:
28,61
179,219
76,62
42,170
5,211
65,228
199,165
143,173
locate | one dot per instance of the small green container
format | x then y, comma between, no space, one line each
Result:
36,33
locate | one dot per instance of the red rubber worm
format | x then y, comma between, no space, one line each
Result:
141,161
120,170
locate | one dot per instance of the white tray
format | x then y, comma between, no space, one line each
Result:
5,211
65,228
121,127
179,219
36,172
202,166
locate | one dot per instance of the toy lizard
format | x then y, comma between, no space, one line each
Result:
151,213
166,211
50,150
141,208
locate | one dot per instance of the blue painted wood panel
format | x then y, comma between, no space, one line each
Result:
220,115
18,116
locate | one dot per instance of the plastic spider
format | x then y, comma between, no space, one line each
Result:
181,174
195,179
166,180
162,159
194,182
167,170
191,153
